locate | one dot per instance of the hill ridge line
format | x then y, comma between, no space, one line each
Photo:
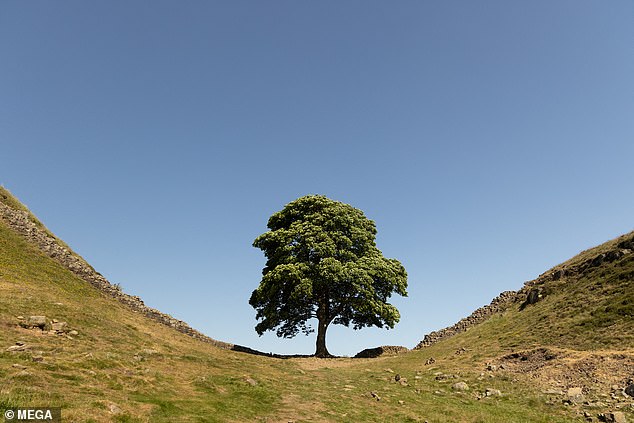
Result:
532,290
21,222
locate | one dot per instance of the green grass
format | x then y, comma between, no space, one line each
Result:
103,374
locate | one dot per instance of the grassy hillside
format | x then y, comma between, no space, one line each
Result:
121,366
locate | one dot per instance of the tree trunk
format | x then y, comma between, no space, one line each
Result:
321,350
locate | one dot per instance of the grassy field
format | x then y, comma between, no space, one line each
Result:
123,367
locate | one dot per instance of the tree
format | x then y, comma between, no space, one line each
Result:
323,263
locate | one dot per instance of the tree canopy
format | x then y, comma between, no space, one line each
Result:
323,263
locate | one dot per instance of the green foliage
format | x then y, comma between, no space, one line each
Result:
322,262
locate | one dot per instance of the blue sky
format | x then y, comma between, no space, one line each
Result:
488,140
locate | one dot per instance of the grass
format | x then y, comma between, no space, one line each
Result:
123,367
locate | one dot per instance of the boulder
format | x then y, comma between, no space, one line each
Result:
36,322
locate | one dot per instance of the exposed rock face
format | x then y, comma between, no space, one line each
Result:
20,222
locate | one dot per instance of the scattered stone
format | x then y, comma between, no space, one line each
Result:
460,386
614,417
114,408
389,370
19,366
491,367
22,373
73,333
375,396
20,343
14,348
397,377
629,390
59,326
20,317
401,402
430,361
37,358
597,404
441,376
250,381
493,392
461,350
403,381
575,395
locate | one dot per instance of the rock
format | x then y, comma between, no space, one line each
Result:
36,322
20,343
401,402
533,296
615,417
14,348
250,381
460,386
59,326
37,358
429,361
73,333
389,370
575,395
22,373
375,396
114,408
491,367
629,390
619,417
19,366
397,377
493,392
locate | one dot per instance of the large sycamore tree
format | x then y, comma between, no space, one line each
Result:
323,263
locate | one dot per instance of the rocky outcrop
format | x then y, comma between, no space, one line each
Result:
20,221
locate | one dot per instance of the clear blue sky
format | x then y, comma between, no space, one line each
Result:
488,140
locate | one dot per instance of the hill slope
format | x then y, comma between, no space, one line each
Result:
113,361
585,303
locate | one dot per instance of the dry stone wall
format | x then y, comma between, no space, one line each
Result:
21,222
531,292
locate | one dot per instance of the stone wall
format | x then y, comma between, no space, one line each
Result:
21,222
499,304
623,247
